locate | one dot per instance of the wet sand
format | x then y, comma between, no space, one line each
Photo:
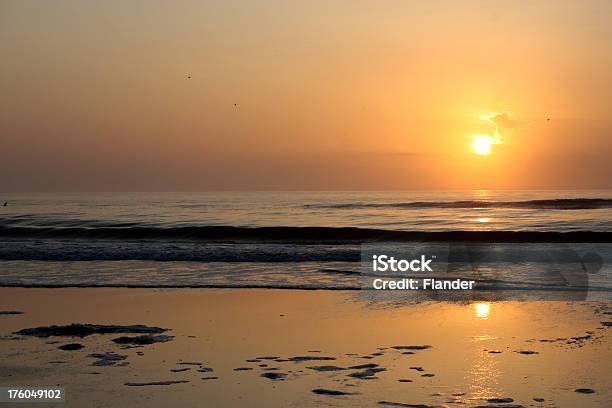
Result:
287,348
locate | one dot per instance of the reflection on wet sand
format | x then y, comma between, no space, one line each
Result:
483,376
482,310
484,373
278,348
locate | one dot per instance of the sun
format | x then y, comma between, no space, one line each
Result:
482,145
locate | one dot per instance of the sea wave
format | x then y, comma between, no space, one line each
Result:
223,233
531,280
552,204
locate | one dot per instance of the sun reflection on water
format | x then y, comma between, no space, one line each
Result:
484,374
482,310
481,194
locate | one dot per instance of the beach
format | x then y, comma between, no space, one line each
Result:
304,343
272,204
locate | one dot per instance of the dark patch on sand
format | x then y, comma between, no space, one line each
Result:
10,312
500,400
423,347
243,368
210,378
538,399
274,376
404,380
106,359
71,347
193,363
179,370
326,368
579,340
527,352
417,368
299,359
85,329
144,384
205,370
323,391
367,374
558,339
361,366
142,340
584,390
428,375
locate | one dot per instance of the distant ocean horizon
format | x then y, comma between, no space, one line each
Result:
272,239
536,210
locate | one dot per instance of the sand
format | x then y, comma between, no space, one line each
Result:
287,348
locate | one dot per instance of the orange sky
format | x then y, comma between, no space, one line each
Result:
329,95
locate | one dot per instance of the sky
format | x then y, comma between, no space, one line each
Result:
317,95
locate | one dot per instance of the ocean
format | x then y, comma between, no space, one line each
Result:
307,240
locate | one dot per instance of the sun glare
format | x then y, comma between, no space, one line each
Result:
482,145
482,310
